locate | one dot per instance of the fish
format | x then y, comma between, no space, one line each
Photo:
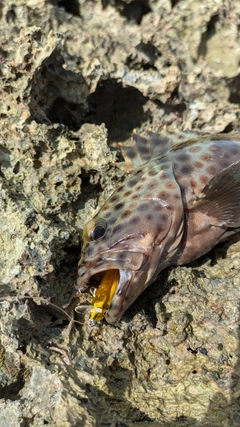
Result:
180,197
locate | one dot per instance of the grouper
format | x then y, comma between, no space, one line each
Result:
181,197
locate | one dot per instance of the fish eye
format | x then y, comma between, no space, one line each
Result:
97,232
94,229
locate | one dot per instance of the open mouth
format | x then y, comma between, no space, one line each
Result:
110,291
104,286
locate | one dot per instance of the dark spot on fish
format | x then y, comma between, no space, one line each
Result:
224,163
152,185
139,171
159,229
136,196
204,180
162,160
125,214
186,170
206,157
163,195
198,165
176,196
149,217
193,184
163,218
139,187
165,176
152,172
120,188
171,185
234,151
212,170
114,198
135,220
183,157
226,156
119,206
111,221
144,150
128,193
132,182
165,167
143,178
143,207
158,207
122,255
195,149
213,148
118,228
107,214
121,262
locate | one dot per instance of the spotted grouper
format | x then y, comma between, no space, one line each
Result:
179,200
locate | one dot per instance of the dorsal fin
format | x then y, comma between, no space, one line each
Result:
145,148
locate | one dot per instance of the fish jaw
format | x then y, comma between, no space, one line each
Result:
128,263
136,272
131,285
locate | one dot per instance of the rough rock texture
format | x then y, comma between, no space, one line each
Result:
75,78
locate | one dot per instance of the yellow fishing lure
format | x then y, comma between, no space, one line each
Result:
104,295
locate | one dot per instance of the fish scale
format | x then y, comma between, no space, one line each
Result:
181,197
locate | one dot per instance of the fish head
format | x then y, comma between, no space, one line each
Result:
134,237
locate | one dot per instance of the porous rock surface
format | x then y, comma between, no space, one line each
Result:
76,78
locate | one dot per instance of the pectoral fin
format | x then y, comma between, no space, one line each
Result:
220,199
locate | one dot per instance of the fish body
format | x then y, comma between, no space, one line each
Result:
178,201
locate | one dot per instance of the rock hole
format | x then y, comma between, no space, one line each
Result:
16,168
11,15
234,86
71,6
133,10
119,107
229,128
210,31
192,351
68,113
174,3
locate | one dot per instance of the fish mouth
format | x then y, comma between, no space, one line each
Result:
110,285
109,288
